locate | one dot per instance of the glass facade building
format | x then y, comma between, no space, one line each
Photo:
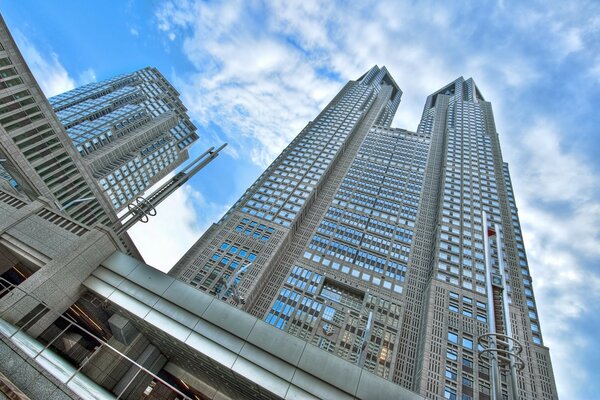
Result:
368,242
131,130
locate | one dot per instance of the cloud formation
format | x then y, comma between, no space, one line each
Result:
560,214
52,77
259,71
262,70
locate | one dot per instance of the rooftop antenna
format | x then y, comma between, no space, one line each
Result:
144,207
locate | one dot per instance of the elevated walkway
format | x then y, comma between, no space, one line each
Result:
233,353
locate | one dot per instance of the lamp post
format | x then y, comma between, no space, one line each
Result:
232,284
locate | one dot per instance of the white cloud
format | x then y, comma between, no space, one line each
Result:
258,74
52,77
87,76
176,227
562,245
134,32
258,87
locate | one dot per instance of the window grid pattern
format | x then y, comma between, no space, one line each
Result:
367,230
34,134
131,130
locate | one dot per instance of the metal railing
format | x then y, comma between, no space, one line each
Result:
54,363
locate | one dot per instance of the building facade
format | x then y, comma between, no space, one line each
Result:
130,130
80,319
36,156
34,149
369,242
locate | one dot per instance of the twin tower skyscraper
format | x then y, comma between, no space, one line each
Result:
399,251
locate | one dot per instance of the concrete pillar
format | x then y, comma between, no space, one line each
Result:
58,284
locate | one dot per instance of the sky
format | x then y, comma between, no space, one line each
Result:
253,73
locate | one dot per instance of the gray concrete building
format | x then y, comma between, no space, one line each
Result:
380,245
79,319
366,262
37,156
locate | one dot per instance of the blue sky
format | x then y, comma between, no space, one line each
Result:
254,73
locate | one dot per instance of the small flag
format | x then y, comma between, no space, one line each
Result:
491,232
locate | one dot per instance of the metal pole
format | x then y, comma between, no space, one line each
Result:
231,282
129,383
506,314
495,372
365,337
147,206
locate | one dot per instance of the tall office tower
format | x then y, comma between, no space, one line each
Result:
131,131
368,242
36,155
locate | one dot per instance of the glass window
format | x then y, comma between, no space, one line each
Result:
452,337
449,393
467,343
450,374
451,355
467,363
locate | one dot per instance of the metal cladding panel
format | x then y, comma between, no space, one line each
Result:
245,355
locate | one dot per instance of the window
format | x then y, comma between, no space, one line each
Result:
450,374
467,363
453,337
449,393
451,355
467,343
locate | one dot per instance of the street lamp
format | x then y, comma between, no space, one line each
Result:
232,284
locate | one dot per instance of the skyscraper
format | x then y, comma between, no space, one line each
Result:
36,156
33,148
380,245
131,131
